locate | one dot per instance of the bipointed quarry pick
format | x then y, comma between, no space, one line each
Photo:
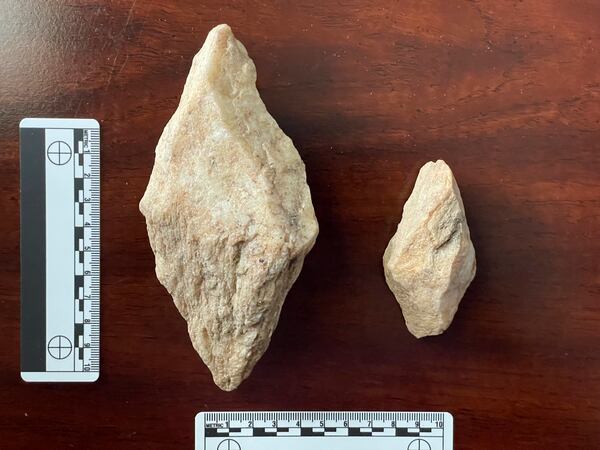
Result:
228,211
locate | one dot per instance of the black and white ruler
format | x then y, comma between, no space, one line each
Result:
324,431
60,250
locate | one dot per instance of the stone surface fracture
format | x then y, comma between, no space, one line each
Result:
430,261
228,211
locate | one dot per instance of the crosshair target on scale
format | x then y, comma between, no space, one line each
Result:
229,444
59,153
419,444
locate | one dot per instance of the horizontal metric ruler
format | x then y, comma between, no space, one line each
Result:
324,431
60,250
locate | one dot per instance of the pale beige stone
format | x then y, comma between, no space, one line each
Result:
430,261
228,211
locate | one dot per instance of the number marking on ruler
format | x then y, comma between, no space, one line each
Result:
60,250
324,431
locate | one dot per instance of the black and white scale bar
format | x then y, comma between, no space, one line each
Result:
324,430
60,250
319,431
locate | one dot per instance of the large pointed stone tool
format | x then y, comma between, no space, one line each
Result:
228,211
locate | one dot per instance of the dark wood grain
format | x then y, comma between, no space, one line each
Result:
507,92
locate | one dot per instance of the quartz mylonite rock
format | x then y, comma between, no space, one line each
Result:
228,211
430,261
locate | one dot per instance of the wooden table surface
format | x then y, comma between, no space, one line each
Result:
507,92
